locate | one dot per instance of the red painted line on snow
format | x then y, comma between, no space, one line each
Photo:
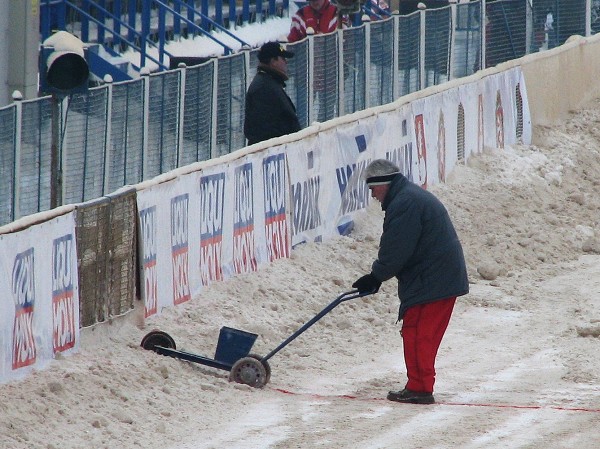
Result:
452,404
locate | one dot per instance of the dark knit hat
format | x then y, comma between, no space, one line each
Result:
273,50
380,171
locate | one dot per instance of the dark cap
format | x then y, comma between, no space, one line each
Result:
273,50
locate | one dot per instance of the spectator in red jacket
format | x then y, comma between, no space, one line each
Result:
320,15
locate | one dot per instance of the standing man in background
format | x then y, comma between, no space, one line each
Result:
419,246
319,15
269,110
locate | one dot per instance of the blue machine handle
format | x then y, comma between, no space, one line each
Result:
340,299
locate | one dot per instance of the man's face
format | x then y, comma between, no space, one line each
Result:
379,192
316,4
279,63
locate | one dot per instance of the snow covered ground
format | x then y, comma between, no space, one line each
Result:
518,367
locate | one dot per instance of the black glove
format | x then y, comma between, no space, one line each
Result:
367,284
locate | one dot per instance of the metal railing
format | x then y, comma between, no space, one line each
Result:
123,133
151,24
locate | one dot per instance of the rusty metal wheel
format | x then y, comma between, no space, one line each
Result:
249,371
158,338
265,364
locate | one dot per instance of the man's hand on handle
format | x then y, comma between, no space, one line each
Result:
367,284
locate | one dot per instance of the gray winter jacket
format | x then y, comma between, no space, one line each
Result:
419,246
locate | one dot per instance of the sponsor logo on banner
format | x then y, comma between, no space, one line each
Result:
180,248
148,234
276,229
499,122
23,290
353,191
212,195
305,201
441,149
63,300
421,150
244,259
361,143
480,128
403,156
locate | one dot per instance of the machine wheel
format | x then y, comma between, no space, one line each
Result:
265,364
249,371
157,338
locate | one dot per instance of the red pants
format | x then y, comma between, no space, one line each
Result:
423,327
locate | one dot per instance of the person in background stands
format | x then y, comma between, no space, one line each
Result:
269,110
320,15
419,246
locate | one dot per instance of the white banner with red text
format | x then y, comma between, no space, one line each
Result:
39,313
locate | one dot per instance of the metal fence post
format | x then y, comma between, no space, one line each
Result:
396,56
145,73
215,104
529,28
422,80
55,175
16,209
248,78
451,55
340,52
367,26
247,67
482,35
181,115
588,17
311,76
108,134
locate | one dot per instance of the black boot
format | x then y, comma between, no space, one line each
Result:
411,397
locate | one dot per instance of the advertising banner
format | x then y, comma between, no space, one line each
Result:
167,243
397,144
355,151
243,255
40,316
274,216
208,226
309,161
517,120
469,127
212,185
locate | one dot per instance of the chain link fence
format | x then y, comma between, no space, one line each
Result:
354,48
123,133
325,82
381,73
198,106
127,126
32,142
409,53
231,94
299,68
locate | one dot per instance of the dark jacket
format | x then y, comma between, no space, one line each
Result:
419,246
269,110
